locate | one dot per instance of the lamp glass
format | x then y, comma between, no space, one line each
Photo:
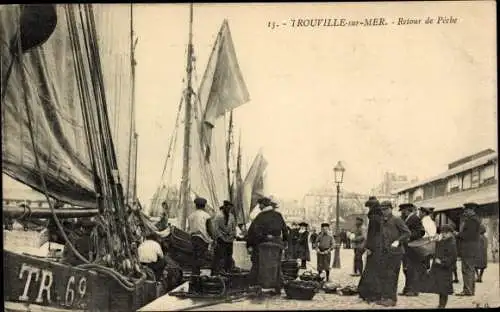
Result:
339,172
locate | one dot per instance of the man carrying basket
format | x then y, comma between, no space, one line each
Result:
413,263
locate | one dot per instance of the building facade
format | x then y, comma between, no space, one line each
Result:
391,183
471,179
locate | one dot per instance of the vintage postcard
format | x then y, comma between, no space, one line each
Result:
249,156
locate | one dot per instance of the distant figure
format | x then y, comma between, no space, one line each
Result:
198,227
163,223
303,251
358,241
468,237
293,241
151,255
343,238
348,239
482,261
439,279
323,246
313,237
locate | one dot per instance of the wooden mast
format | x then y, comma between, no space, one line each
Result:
228,155
132,109
185,186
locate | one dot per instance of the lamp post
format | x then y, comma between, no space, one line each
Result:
339,177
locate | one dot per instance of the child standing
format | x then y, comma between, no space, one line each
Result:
439,279
482,261
324,246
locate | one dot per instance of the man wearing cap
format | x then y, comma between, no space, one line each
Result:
358,241
469,236
413,265
395,234
324,246
224,234
198,227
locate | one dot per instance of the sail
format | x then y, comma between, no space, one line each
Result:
221,90
253,185
48,80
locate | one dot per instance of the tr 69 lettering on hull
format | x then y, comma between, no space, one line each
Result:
43,281
35,281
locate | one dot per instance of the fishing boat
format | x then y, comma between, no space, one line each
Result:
207,143
68,132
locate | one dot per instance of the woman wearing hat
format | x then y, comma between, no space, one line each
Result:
303,245
268,226
369,286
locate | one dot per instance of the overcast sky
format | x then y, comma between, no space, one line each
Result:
407,99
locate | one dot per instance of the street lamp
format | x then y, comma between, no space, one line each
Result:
339,177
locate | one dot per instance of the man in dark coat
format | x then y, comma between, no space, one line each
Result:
469,247
395,235
413,265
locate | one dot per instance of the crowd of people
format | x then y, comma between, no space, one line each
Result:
387,241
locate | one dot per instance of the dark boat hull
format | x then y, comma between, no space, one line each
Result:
31,281
179,247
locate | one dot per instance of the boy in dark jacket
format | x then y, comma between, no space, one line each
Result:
439,279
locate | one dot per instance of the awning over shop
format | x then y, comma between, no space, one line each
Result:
481,196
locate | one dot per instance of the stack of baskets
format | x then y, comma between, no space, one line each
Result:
301,290
290,269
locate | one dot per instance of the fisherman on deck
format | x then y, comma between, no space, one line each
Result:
224,235
151,254
198,227
163,223
268,226
80,238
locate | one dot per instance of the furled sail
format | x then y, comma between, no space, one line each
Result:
254,184
50,85
221,90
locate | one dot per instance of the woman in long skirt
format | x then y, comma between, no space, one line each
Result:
369,286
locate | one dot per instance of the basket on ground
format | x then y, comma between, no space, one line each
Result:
301,290
310,276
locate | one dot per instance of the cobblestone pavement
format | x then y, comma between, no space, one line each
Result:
487,294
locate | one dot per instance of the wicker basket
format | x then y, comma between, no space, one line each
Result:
301,290
309,276
423,247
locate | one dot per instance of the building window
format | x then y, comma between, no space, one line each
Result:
419,194
467,181
487,175
453,184
428,191
475,178
440,188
